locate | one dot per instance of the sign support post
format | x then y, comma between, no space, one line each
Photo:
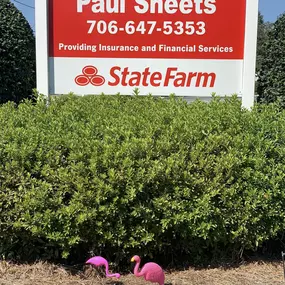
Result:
41,24
250,53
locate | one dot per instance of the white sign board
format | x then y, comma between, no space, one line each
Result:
187,47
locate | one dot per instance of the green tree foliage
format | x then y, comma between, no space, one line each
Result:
271,83
262,36
121,176
17,54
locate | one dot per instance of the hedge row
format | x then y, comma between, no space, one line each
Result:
139,175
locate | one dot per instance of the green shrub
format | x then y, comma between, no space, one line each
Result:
17,55
123,175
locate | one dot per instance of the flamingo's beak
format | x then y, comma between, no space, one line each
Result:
132,260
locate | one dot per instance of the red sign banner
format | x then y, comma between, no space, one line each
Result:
181,29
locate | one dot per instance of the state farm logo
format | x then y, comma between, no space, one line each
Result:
89,75
128,77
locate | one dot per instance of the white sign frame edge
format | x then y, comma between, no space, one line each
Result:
41,27
251,25
249,65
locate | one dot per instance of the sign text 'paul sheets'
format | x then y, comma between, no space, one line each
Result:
194,29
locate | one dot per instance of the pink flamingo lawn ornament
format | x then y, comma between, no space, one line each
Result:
150,271
101,261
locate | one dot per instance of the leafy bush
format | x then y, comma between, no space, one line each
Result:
17,50
271,83
123,175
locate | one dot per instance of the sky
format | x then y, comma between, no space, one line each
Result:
270,9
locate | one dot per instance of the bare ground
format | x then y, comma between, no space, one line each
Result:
265,273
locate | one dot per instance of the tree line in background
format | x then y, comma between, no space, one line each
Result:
18,63
271,60
17,55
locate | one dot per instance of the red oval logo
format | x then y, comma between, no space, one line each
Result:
97,80
82,80
89,70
